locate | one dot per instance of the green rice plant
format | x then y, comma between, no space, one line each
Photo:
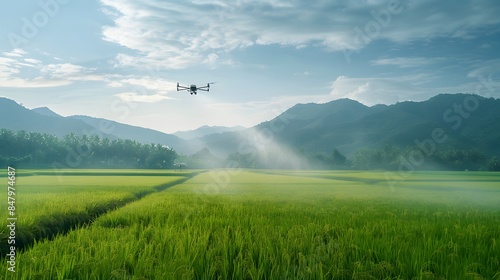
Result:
46,206
279,226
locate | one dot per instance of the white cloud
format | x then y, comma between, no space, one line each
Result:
63,70
371,91
146,89
485,68
33,61
389,90
405,62
180,34
32,83
429,19
305,73
146,98
15,53
211,59
19,71
150,83
146,84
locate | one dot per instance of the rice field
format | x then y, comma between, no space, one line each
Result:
47,204
225,224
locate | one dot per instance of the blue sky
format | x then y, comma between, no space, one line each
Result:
121,59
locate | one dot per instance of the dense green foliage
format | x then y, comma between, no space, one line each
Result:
32,149
288,225
43,150
386,158
50,204
394,158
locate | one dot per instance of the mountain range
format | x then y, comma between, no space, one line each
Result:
348,126
205,130
466,121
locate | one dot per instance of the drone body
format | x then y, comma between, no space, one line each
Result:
193,89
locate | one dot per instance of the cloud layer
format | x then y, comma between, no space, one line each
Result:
178,34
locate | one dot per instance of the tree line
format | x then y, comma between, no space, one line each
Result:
390,157
395,157
40,150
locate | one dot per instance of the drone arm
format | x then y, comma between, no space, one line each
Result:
205,88
181,87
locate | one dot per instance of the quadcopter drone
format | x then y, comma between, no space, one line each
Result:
193,88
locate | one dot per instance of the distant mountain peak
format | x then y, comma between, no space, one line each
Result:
44,111
4,101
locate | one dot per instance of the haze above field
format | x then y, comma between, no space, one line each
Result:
121,60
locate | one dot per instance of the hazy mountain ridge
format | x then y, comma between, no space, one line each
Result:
46,112
344,124
136,133
205,130
16,117
349,126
